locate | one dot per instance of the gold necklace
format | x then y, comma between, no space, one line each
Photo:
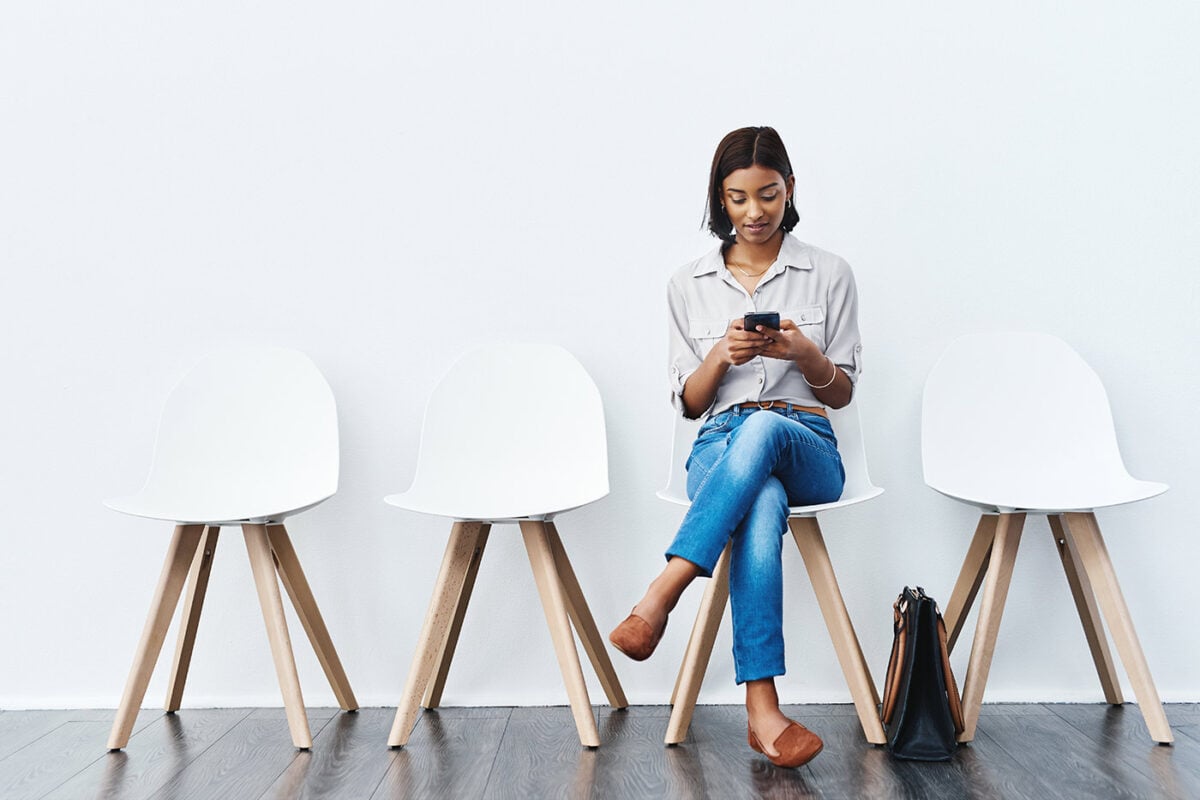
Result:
742,270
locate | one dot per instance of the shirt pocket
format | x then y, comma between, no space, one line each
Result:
711,328
811,322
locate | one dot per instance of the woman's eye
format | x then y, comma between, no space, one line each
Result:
737,201
768,199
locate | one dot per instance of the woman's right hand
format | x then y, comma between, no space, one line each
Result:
739,345
733,349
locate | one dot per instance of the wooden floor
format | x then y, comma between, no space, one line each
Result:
1022,751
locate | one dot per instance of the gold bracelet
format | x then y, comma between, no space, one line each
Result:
832,377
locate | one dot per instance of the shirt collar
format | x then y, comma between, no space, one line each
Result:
792,253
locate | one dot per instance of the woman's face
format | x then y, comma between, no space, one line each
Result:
755,199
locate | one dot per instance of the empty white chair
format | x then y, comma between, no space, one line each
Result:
806,531
248,437
513,433
1017,424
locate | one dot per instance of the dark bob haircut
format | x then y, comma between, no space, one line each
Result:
745,147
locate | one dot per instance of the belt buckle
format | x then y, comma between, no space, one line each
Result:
765,406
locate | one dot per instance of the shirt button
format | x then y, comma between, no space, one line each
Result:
760,380
804,318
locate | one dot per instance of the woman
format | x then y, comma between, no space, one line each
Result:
766,442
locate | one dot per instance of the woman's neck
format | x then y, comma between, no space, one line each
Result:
761,255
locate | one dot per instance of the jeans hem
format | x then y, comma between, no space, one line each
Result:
705,572
761,674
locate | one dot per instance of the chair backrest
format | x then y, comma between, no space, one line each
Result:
248,433
847,427
1018,420
511,431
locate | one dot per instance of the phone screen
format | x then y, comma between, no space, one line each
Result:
768,319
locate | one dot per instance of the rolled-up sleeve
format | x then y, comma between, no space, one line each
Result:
681,352
843,343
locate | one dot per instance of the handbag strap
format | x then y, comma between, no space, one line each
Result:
891,684
956,712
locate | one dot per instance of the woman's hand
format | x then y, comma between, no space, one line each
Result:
739,345
733,349
789,344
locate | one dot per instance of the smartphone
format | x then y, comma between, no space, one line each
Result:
768,319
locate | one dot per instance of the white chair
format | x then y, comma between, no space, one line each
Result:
806,531
513,433
1016,424
248,437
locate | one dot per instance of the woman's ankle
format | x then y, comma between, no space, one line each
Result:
761,696
651,610
762,708
665,590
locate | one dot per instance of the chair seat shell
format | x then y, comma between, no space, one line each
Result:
248,435
991,390
512,431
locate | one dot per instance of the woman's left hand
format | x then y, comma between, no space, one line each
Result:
788,343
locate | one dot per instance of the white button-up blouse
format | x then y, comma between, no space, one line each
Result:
813,288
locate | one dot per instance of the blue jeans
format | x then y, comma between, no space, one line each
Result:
746,467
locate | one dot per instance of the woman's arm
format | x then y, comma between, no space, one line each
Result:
829,384
735,348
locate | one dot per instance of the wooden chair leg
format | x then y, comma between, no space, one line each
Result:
549,583
433,695
1084,531
166,597
460,550
1089,614
807,534
991,609
193,604
970,577
298,589
699,650
262,565
585,624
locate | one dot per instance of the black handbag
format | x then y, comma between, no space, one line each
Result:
922,710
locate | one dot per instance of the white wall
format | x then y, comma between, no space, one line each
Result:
383,186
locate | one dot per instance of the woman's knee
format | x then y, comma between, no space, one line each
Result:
766,520
771,501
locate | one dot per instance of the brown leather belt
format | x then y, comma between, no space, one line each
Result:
820,412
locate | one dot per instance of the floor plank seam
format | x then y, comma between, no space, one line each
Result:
1105,740
158,790
213,743
391,764
33,742
68,779
1069,721
288,764
487,784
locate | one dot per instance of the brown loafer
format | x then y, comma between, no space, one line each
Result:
797,746
635,638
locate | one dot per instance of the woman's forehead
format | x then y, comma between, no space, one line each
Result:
752,179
